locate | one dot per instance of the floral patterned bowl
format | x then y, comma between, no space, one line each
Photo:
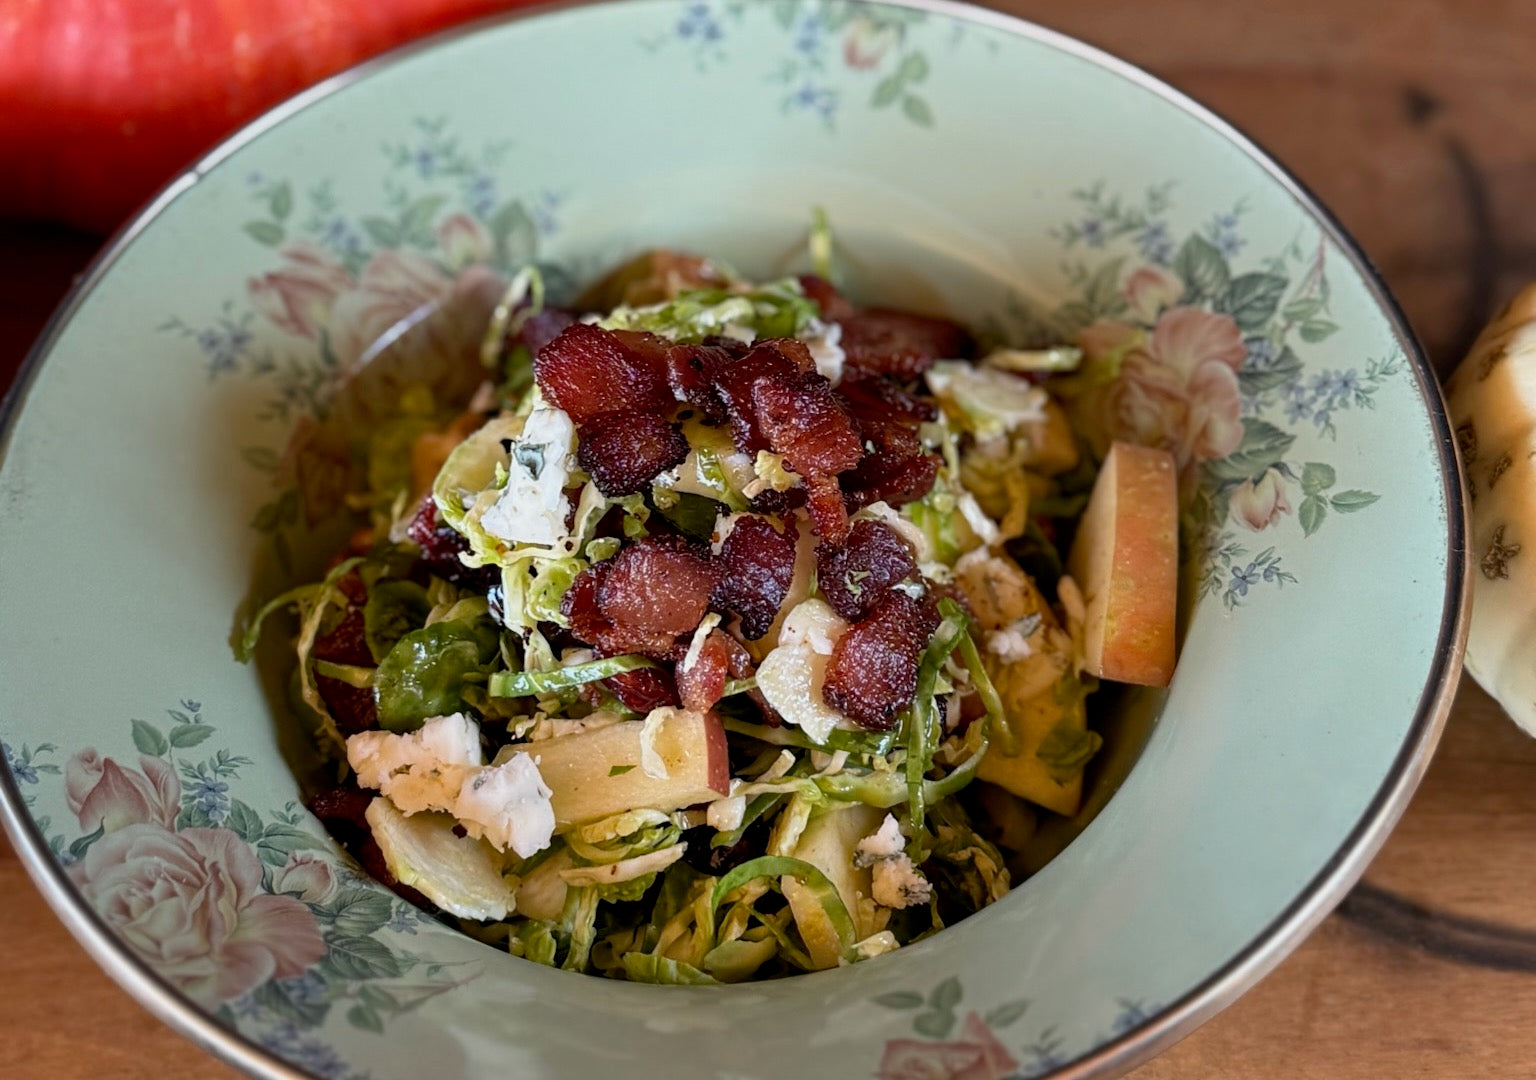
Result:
971,163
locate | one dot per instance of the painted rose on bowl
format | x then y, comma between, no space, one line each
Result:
1173,386
191,904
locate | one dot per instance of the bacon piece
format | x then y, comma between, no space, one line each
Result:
643,689
703,683
739,660
591,625
872,674
741,666
804,421
829,511
692,371
643,598
895,481
883,400
794,350
895,469
579,605
855,577
588,372
660,584
878,341
624,451
824,294
890,440
735,383
759,563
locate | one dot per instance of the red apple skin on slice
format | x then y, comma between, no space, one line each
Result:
1125,560
598,773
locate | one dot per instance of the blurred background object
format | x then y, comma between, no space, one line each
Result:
103,101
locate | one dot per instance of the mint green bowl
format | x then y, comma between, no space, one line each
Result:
971,163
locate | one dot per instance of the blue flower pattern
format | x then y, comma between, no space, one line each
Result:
698,23
813,98
316,1057
25,766
23,771
1222,232
1155,243
223,343
211,796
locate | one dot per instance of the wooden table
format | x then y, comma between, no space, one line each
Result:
1410,120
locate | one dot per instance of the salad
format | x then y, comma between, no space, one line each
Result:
734,630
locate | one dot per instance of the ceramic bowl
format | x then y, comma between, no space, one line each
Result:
970,163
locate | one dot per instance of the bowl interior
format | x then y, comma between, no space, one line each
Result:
970,165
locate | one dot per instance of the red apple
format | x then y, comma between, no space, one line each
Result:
1125,559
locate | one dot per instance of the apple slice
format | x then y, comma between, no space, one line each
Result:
595,774
1125,560
828,844
1034,718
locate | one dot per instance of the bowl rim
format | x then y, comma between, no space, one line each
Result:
1165,1026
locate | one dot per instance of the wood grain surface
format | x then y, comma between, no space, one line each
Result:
1410,121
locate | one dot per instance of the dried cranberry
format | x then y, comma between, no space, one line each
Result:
441,545
643,689
352,707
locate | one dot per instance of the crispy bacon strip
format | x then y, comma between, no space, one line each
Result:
759,564
872,675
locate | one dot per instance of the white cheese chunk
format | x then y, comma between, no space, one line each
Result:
442,747
533,508
895,882
440,767
792,675
508,805
1012,643
824,340
727,814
